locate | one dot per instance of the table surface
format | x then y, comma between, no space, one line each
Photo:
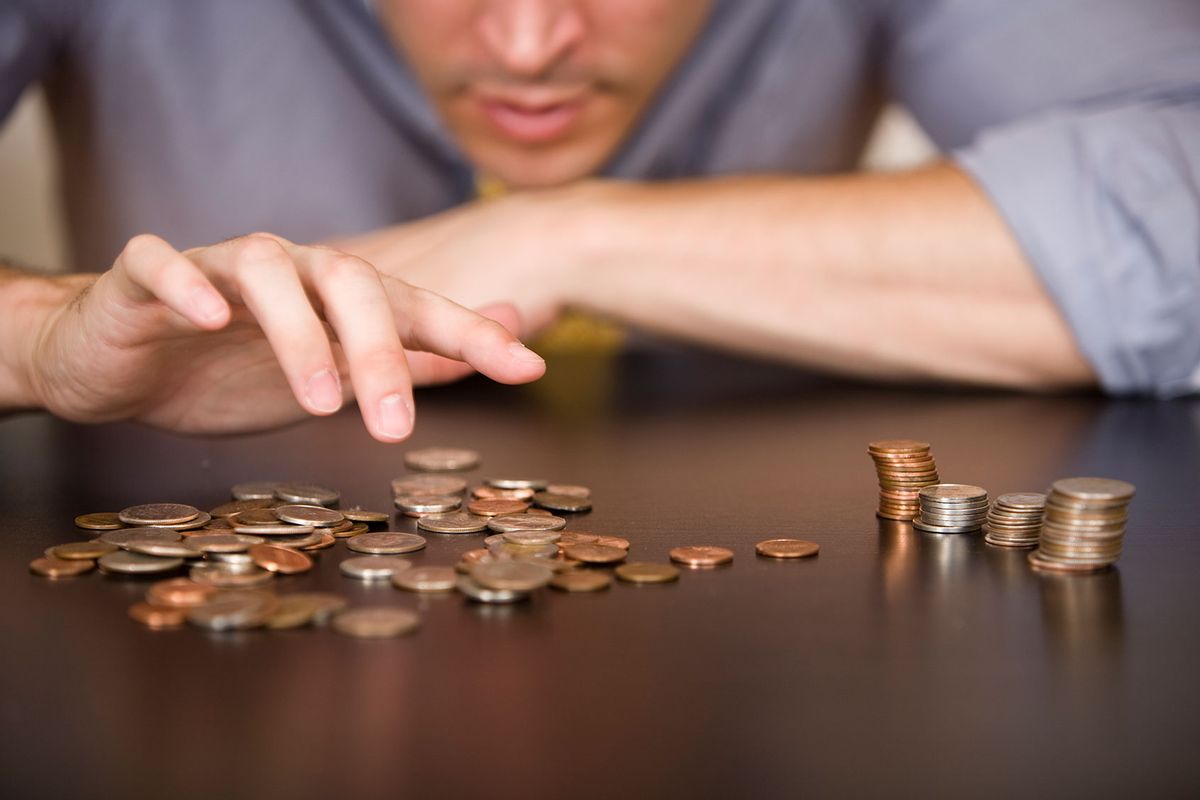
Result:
894,662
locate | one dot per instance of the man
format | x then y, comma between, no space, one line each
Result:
684,156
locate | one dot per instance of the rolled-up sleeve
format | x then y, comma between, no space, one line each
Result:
1081,121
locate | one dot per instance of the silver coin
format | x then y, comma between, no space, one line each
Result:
454,522
222,542
202,519
922,526
441,459
562,502
126,563
282,529
373,568
300,542
158,514
238,559
426,579
537,484
428,503
376,623
306,493
504,551
1022,500
516,575
386,543
428,484
526,522
481,594
234,610
1100,489
230,576
125,536
257,490
953,493
530,538
163,549
314,516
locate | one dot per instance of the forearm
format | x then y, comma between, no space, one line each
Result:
909,275
26,300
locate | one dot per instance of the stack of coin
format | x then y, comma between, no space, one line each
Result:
1015,520
904,466
1084,525
951,508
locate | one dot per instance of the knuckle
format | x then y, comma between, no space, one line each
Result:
344,268
251,252
140,245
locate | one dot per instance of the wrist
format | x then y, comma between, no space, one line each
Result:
28,305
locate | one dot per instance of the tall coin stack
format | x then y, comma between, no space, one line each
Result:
904,466
951,508
1084,525
1015,520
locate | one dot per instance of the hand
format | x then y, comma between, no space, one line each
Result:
237,337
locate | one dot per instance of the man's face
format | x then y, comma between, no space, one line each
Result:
541,92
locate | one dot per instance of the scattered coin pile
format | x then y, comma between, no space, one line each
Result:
951,508
1084,525
1015,520
904,467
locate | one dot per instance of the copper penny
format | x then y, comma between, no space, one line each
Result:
576,537
701,556
496,508
641,572
255,516
99,521
282,560
60,568
157,617
494,493
178,593
786,548
226,510
595,553
158,514
327,540
353,530
357,514
86,550
581,580
612,541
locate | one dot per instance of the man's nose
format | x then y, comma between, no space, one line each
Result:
528,37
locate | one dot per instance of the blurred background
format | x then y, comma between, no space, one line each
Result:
30,220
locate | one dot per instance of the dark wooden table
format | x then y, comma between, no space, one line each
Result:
895,664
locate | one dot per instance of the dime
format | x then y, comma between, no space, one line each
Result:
257,490
428,484
525,522
518,576
357,514
157,617
84,550
595,553
441,459
163,549
282,560
454,522
126,536
387,543
126,563
701,556
641,572
236,507
563,502
178,593
481,594
492,493
158,514
223,576
413,504
308,494
530,538
376,623
612,541
786,548
426,579
316,516
536,484
222,542
99,521
373,568
60,568
581,580
234,610
497,508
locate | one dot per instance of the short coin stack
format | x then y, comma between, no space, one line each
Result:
951,508
1015,520
1084,525
904,466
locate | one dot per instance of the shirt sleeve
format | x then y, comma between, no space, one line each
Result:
1081,121
30,34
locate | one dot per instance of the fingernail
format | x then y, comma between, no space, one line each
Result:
208,304
324,392
522,352
395,416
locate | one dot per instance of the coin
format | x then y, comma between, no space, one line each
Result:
123,537
441,459
413,504
482,594
612,541
222,542
595,553
536,484
99,521
324,540
373,568
575,537
903,467
497,508
492,493
529,538
426,579
293,611
428,484
473,556
890,446
306,493
163,549
539,512
224,576
60,568
525,522
178,593
282,560
563,502
642,572
516,575
353,530
236,507
454,522
786,548
256,490
157,617
701,555
255,516
234,610
278,529
581,580
568,489
316,516
85,550
1015,520
357,514
126,563
1083,528
376,623
386,543
1093,489
503,551
239,559
325,605
158,514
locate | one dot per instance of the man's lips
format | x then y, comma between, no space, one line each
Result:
532,119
